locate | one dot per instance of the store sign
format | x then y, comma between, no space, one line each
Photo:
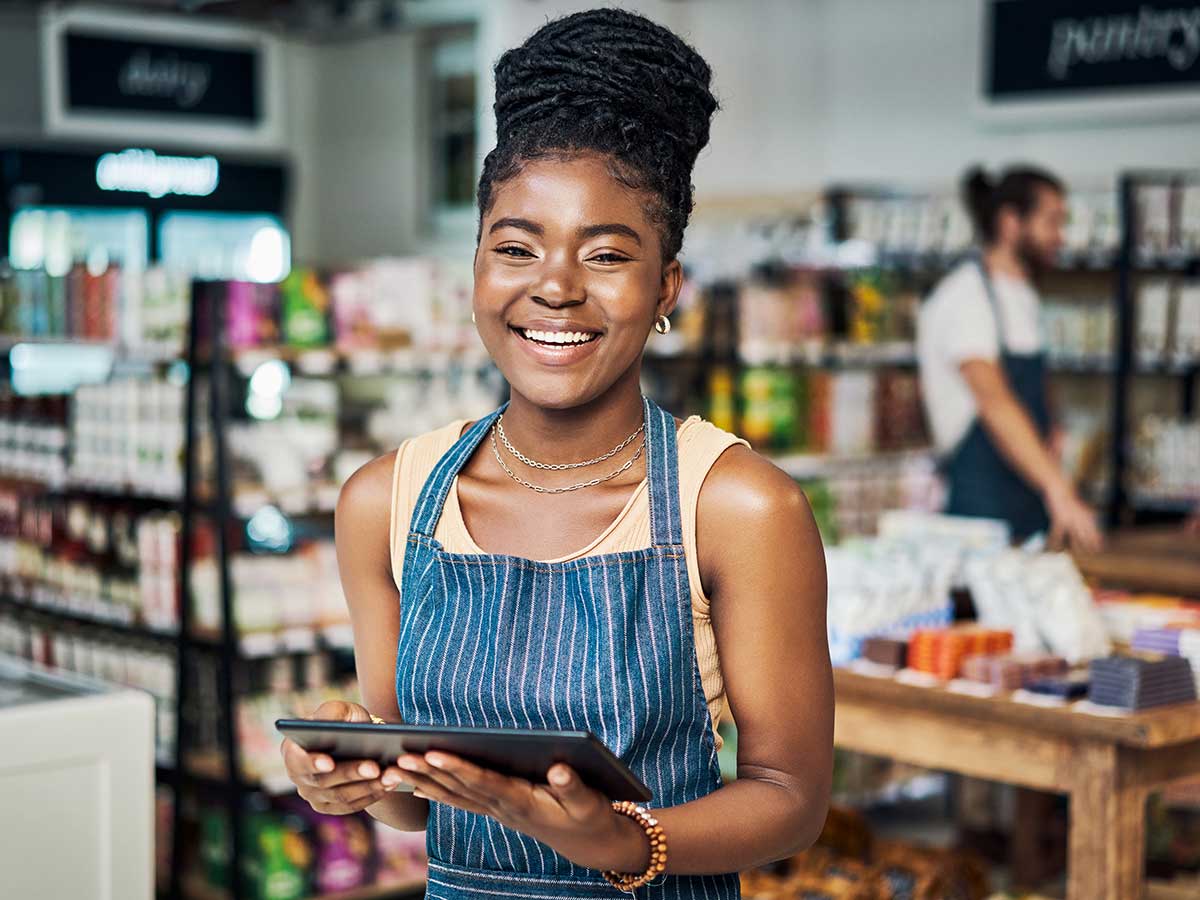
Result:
145,172
105,74
1062,49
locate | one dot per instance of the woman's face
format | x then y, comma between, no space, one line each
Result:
569,279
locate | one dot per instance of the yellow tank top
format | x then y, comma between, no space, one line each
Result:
700,445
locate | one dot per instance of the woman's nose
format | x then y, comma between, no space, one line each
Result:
559,285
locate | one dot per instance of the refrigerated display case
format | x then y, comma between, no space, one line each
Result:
203,215
76,786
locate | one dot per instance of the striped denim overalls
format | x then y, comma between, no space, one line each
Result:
601,643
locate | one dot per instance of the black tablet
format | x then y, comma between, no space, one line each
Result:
527,754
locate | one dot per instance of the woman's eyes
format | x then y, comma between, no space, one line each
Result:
606,259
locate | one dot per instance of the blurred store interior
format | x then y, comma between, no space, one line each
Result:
236,243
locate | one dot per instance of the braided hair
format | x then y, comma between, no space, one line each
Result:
613,83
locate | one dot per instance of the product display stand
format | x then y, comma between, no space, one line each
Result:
212,361
1106,765
1124,506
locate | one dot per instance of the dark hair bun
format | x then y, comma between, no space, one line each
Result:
977,191
608,71
1017,187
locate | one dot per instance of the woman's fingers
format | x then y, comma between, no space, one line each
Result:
578,800
427,788
433,775
394,779
511,796
302,765
354,794
347,773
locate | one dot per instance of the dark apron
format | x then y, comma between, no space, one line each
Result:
980,479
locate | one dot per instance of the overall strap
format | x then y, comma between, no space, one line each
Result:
662,477
433,495
990,287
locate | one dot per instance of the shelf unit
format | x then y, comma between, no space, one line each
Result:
1124,265
1126,505
217,370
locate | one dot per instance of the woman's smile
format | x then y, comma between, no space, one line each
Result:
556,342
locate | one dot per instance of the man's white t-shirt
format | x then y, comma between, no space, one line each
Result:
955,324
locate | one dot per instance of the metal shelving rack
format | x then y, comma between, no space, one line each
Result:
213,374
1123,507
212,363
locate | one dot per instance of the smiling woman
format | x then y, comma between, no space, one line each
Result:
581,560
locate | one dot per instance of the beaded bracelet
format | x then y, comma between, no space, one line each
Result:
658,848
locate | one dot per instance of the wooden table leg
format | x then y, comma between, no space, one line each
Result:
1034,810
1108,829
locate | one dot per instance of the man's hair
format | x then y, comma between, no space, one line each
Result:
1017,187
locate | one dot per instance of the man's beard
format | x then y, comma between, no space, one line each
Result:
1036,261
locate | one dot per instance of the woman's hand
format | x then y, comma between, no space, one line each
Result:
565,814
333,788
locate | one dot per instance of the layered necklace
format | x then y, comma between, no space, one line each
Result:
498,429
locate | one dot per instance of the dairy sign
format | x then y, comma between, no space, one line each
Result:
1064,49
172,80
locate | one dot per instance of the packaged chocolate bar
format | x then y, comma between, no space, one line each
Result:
886,651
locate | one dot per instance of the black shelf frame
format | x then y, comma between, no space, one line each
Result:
1124,506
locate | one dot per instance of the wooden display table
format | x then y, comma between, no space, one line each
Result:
1153,559
1107,765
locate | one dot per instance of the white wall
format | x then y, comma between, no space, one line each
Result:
360,148
901,79
815,91
767,60
20,90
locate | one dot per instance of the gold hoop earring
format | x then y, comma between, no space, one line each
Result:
662,325
472,317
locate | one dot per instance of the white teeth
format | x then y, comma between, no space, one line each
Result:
558,337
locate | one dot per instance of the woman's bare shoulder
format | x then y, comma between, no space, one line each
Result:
365,500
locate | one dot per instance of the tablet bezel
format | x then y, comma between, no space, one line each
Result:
583,751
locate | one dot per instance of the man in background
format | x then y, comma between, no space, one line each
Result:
983,380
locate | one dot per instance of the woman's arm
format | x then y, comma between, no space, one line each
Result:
364,563
763,568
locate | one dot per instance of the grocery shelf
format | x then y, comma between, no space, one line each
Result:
1166,264
320,501
123,493
815,465
357,361
74,617
1096,365
1181,505
208,768
838,356
1187,368
121,353
267,645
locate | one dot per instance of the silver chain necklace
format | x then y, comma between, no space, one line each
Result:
541,489
559,467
